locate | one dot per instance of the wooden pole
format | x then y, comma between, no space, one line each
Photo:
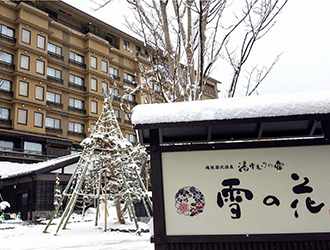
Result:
105,202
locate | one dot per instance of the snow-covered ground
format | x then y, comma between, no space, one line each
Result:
80,234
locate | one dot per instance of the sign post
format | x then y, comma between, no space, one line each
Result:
252,183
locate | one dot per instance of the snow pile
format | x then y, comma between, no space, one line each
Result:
11,169
112,221
4,205
234,108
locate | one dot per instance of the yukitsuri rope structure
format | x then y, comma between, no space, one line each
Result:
108,168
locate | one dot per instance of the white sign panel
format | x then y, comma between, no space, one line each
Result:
247,191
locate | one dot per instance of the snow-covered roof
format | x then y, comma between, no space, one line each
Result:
11,169
234,108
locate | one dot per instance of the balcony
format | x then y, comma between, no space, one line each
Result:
76,133
7,65
57,151
58,56
116,97
9,38
77,86
115,77
5,121
130,101
24,154
54,130
138,53
54,104
130,82
77,63
54,79
79,110
113,44
6,92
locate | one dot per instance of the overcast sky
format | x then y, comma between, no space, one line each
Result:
301,34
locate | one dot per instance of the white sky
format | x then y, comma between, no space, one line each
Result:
300,34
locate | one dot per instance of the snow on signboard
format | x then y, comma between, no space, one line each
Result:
234,108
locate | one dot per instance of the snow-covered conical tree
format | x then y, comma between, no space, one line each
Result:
109,169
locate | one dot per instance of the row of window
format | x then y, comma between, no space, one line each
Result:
56,50
53,97
29,147
50,122
57,74
36,148
41,42
56,98
127,46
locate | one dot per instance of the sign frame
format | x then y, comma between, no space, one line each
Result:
159,140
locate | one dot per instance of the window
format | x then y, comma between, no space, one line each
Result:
76,103
117,114
105,87
55,73
127,117
6,31
54,49
26,36
151,85
104,66
130,98
146,53
53,97
131,138
53,123
114,91
6,145
76,80
32,147
39,93
184,77
76,127
126,45
6,57
41,42
93,107
22,116
23,88
74,57
38,119
93,84
138,50
5,85
25,62
92,128
166,68
40,67
114,72
93,62
4,114
129,78
158,88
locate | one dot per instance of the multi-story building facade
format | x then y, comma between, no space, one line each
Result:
54,61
